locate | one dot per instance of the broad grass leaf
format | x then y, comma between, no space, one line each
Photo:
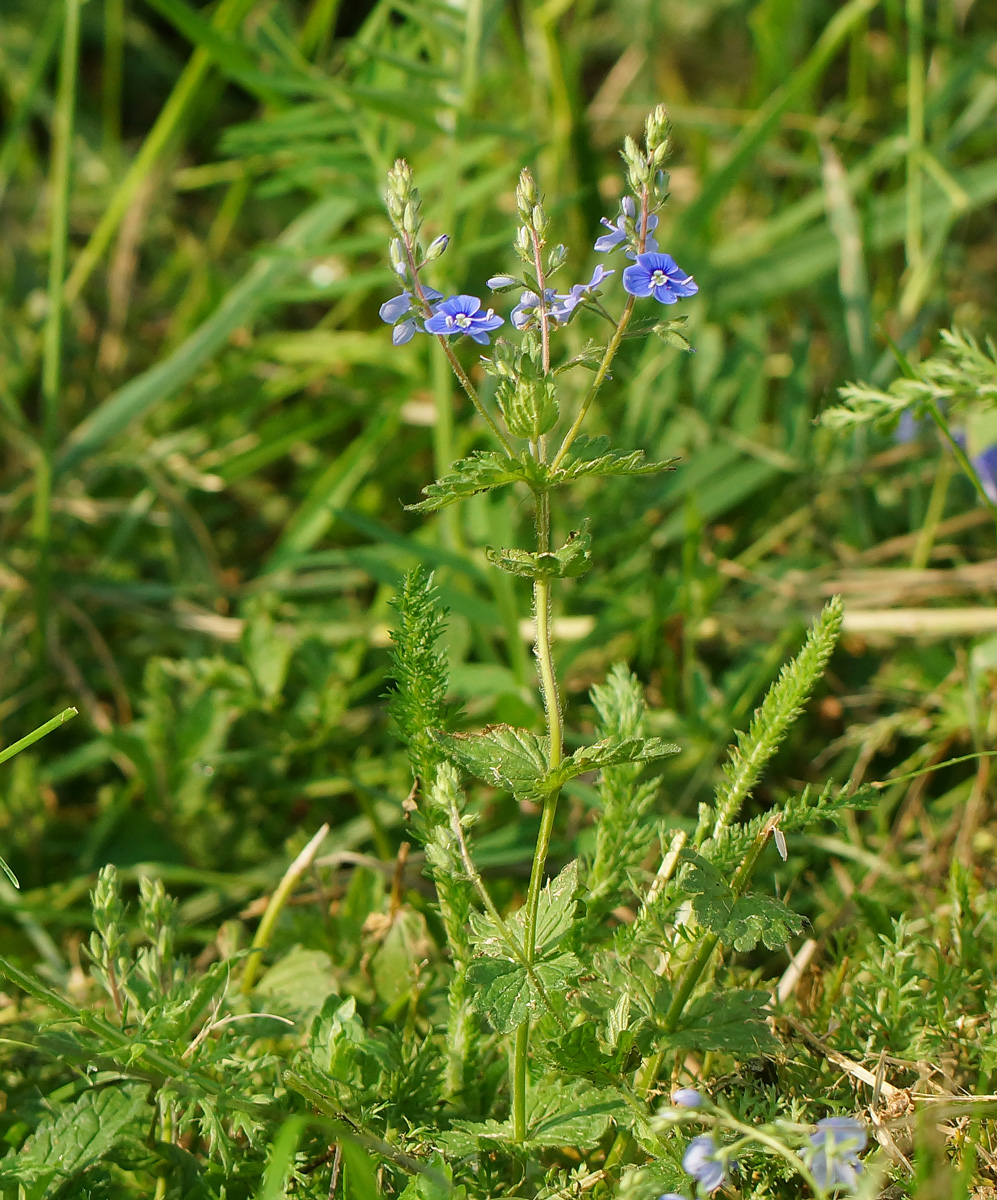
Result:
359,1176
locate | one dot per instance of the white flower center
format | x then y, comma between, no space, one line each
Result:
463,320
658,278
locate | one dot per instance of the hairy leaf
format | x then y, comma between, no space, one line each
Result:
483,471
593,457
500,755
508,992
567,562
733,1022
77,1136
741,922
572,1114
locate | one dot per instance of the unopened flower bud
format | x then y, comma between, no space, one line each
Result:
526,193
398,261
500,283
656,130
629,207
437,246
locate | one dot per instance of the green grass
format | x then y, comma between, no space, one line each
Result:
206,443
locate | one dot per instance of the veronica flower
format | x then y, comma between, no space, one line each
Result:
834,1150
392,311
459,315
566,304
686,1098
528,306
658,275
701,1162
618,229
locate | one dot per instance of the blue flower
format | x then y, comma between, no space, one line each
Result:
686,1098
618,230
565,305
658,275
392,311
985,464
671,1196
834,1150
459,315
529,303
701,1162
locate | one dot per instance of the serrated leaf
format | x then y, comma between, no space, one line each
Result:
567,562
593,457
613,752
77,1136
578,1051
572,1114
733,1022
500,755
508,992
466,1137
482,471
556,910
741,922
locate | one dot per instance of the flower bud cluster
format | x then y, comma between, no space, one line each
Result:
529,205
644,166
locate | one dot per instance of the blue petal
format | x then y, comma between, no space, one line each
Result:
396,307
403,333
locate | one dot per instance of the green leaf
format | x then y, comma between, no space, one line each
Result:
500,755
566,1113
613,752
468,1137
508,992
77,1136
567,562
359,1176
741,922
579,1051
593,457
556,911
733,1022
483,471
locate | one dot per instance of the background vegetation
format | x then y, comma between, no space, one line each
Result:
207,441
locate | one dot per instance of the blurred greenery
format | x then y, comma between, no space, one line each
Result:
208,440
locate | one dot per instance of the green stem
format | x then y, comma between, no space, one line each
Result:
66,715
62,146
694,969
555,729
600,376
611,349
114,46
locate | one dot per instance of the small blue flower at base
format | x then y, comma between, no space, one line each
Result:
834,1149
658,275
528,306
672,1196
687,1097
459,315
564,305
701,1162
